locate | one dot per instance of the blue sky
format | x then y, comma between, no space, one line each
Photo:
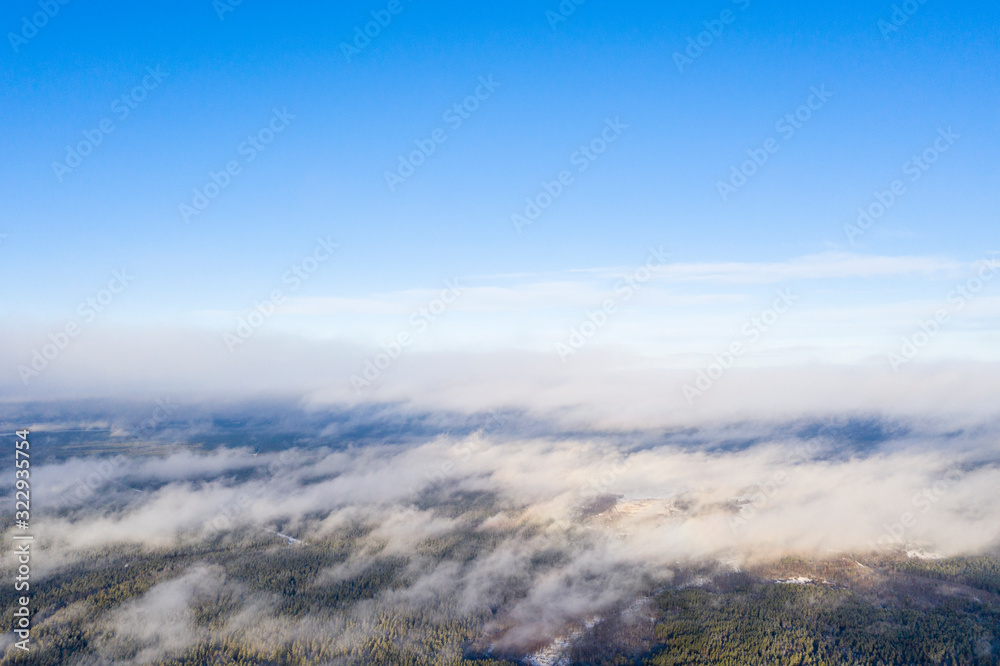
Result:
323,174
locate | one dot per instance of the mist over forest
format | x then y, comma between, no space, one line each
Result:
274,532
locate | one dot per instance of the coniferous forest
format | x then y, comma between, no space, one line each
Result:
257,599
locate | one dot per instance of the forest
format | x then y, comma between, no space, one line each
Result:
254,599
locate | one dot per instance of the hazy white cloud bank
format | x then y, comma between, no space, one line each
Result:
592,475
674,503
552,529
827,309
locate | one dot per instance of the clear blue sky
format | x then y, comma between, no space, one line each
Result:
324,174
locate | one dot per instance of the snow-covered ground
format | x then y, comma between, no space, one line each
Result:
797,580
802,580
556,652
